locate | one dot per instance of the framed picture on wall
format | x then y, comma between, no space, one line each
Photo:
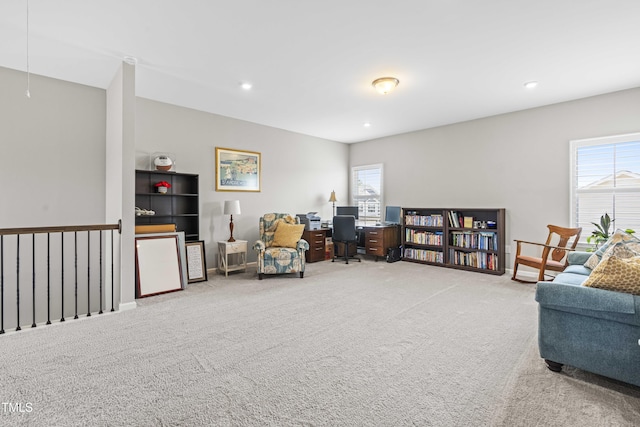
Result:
237,170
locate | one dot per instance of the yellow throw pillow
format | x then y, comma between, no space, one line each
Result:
287,235
616,274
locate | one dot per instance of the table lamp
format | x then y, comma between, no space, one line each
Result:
231,207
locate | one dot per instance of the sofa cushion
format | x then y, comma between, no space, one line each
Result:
287,235
577,269
570,278
620,236
578,257
617,273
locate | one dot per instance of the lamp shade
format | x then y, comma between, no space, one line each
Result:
333,197
232,207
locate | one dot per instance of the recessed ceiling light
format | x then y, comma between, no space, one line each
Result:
530,85
367,124
246,86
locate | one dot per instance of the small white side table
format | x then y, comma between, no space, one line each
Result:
238,252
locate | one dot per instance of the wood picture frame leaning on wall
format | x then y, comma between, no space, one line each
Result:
196,263
237,170
158,266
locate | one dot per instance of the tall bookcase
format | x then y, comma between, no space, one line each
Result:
466,239
179,206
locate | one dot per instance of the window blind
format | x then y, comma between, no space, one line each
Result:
605,178
367,191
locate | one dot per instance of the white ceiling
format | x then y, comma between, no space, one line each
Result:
311,63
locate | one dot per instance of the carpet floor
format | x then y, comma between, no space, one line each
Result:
364,344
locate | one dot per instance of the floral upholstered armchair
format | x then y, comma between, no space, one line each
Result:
281,248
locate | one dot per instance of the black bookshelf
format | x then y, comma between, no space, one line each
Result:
466,239
179,206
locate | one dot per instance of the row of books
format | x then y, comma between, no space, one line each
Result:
434,220
487,261
475,240
424,255
423,237
457,220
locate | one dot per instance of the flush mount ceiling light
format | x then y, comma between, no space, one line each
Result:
246,85
530,85
384,85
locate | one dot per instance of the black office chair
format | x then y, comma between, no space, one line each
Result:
344,231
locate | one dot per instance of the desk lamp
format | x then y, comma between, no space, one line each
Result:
231,207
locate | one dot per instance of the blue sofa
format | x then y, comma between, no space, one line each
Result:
588,328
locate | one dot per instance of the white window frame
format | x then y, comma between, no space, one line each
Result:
574,146
363,215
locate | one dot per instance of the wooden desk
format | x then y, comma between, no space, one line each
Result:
379,238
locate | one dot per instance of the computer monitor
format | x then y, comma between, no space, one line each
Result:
392,215
347,210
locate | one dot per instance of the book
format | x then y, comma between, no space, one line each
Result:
468,222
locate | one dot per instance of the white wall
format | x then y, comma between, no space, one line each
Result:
298,171
519,161
120,178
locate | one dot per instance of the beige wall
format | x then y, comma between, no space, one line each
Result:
519,161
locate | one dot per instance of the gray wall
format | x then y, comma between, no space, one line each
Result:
52,147
298,172
519,161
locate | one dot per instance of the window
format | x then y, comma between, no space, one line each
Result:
366,191
605,178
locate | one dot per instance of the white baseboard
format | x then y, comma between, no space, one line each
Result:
127,306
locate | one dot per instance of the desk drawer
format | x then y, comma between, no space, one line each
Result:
374,242
316,240
374,248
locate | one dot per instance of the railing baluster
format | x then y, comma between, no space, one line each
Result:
75,263
88,273
1,284
62,276
38,264
48,278
33,278
112,279
101,232
18,328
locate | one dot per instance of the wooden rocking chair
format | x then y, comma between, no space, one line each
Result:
553,255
